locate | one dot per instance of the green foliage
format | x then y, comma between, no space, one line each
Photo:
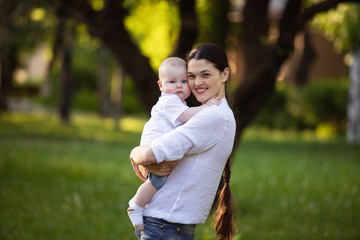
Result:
88,100
131,103
320,105
154,26
212,21
341,25
84,62
275,114
85,99
325,101
205,10
26,24
74,182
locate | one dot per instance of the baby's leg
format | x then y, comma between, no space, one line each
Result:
144,194
136,205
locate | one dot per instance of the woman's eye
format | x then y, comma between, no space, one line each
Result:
206,75
191,76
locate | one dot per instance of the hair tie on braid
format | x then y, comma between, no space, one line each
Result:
227,180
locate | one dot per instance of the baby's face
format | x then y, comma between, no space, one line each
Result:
174,81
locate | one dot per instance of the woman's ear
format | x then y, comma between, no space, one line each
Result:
226,74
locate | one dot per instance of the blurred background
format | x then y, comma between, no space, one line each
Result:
84,56
78,80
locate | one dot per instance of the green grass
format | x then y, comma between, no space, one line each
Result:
74,182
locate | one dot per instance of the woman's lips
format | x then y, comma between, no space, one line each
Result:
200,90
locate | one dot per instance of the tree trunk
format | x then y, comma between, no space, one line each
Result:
8,63
103,76
116,94
353,124
135,64
306,61
254,33
8,51
263,62
65,85
253,93
187,36
219,12
188,29
57,48
65,75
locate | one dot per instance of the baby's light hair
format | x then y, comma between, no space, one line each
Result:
175,62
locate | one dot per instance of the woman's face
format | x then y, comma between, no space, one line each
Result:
205,80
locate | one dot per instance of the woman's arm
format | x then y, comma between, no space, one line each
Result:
200,133
143,155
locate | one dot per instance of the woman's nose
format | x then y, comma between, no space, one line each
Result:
197,81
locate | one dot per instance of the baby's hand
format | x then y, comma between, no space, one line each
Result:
214,101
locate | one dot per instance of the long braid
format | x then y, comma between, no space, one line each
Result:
224,214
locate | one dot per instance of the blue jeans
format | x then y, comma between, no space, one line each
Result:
158,229
157,181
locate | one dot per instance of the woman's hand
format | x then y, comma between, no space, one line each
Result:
161,169
216,100
140,171
143,161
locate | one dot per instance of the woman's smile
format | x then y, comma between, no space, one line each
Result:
200,90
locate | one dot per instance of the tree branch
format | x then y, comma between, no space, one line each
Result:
324,6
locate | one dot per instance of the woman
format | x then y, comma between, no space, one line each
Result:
201,147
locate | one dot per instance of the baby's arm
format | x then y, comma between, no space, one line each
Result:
191,111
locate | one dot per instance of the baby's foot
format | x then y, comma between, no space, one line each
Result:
135,213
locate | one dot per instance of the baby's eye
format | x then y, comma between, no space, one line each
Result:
184,81
172,82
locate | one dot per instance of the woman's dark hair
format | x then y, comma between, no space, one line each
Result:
223,217
212,53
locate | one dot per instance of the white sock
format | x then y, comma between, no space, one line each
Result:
135,213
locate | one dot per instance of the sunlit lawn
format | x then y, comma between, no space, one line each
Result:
74,182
